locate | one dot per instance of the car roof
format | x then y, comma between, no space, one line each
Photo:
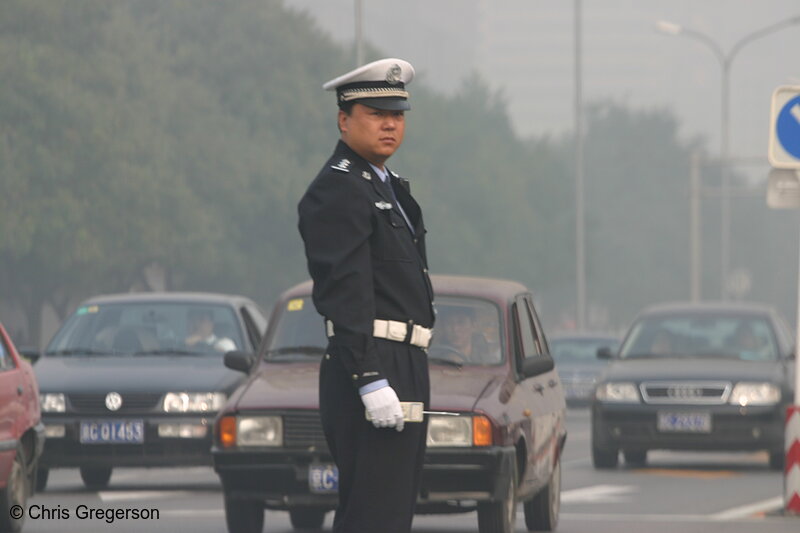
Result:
707,308
167,296
451,285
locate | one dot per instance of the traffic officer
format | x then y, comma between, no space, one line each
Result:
365,246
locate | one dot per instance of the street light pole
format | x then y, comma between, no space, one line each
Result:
359,18
580,238
725,61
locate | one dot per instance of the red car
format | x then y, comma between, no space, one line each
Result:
21,433
496,440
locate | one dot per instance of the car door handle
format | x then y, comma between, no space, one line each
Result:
552,383
538,388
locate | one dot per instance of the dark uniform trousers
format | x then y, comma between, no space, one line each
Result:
378,479
368,264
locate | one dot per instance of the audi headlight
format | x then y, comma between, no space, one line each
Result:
755,394
259,431
52,402
617,392
193,402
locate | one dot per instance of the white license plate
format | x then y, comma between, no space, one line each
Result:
685,422
112,432
323,479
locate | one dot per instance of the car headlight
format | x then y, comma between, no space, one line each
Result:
755,394
52,402
259,431
193,402
617,392
449,431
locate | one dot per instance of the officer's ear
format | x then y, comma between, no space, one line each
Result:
342,121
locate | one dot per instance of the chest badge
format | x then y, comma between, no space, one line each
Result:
383,205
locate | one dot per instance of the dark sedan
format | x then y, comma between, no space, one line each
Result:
695,377
575,354
494,439
136,380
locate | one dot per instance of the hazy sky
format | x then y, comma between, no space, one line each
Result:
526,48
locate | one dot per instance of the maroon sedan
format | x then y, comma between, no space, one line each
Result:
495,433
21,434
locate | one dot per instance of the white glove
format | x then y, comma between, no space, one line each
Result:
384,408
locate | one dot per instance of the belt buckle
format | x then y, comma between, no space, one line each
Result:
396,331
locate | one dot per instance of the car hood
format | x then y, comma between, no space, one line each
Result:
576,369
134,374
717,369
295,386
461,389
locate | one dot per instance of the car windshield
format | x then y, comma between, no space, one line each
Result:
742,337
148,328
467,333
580,349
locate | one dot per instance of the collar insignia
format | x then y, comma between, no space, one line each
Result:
395,174
343,165
383,205
366,175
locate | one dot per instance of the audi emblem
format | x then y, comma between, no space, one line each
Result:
684,392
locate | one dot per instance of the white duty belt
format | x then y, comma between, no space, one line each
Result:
396,331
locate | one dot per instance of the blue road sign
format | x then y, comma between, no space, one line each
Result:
787,127
784,135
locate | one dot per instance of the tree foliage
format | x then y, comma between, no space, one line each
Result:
183,133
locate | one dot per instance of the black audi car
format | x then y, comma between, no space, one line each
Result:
695,377
136,380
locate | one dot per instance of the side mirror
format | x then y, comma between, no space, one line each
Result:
604,353
533,366
239,361
29,353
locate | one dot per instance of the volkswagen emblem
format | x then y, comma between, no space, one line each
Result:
113,401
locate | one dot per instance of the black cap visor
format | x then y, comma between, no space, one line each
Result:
387,104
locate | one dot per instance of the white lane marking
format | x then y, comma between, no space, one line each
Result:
749,510
133,495
796,112
598,494
665,518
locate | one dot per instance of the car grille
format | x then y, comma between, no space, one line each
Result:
686,392
303,430
131,403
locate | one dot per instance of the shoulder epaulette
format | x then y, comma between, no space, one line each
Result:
342,166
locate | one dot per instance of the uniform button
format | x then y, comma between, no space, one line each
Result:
327,356
355,377
425,270
416,240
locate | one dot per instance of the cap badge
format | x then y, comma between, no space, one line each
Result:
394,74
383,205
366,175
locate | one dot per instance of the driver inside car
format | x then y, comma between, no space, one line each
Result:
461,337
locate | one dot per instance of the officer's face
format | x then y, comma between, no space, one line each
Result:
374,134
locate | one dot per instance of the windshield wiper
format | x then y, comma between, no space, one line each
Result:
171,351
443,361
76,351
